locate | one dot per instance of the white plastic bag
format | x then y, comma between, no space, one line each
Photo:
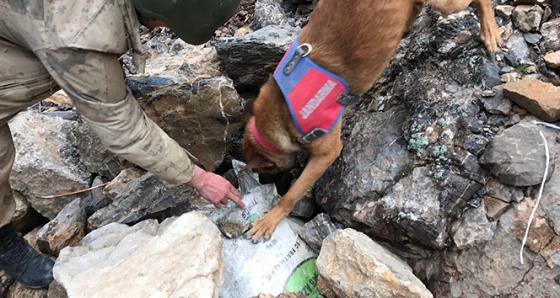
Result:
283,263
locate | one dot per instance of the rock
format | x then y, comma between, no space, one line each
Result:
317,229
232,224
497,104
517,156
532,38
494,207
553,60
550,204
56,291
269,12
551,36
527,18
95,199
504,11
181,257
353,265
47,161
503,192
397,218
551,253
209,107
115,187
5,282
144,197
475,144
250,59
66,229
473,229
93,154
19,291
540,98
518,50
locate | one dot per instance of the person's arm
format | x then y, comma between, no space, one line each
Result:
94,82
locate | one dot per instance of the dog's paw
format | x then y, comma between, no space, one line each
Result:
263,228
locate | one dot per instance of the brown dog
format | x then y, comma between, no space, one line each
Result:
355,40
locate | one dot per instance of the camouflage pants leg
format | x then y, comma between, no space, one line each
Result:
23,82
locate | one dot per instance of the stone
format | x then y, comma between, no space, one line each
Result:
527,18
504,11
144,197
553,60
181,257
517,156
518,49
551,36
532,38
317,229
208,107
5,282
94,155
551,252
232,224
47,161
269,12
19,291
352,265
497,104
550,204
66,229
505,193
473,229
95,199
250,59
115,187
539,98
494,207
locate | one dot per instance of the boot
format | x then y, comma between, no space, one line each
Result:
22,262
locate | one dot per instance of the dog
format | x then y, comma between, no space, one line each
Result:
352,40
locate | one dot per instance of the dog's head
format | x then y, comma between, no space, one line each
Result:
260,159
257,157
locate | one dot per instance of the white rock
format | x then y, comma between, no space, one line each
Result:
181,257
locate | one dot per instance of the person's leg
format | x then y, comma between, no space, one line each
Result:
23,82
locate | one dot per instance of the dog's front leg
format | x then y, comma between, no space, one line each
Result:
321,158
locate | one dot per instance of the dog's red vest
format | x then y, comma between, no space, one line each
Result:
315,96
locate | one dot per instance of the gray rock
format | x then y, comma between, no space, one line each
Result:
551,36
249,60
518,49
145,197
94,155
95,199
550,204
473,229
66,229
269,12
497,104
502,192
47,161
517,156
181,257
317,229
475,144
504,11
532,38
232,224
352,265
527,18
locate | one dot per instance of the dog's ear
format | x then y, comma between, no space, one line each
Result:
258,162
248,111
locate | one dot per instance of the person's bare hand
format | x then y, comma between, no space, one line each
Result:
214,188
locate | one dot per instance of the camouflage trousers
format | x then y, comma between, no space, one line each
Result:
95,83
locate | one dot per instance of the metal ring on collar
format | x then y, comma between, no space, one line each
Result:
309,48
